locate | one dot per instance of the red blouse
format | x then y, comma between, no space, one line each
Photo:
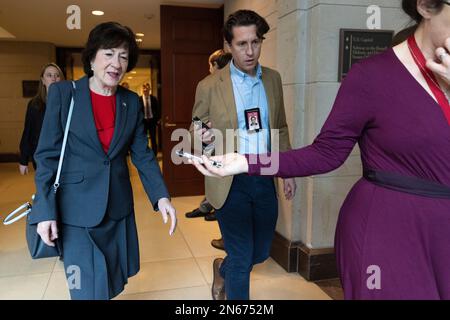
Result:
104,109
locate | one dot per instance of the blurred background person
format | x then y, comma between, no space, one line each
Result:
50,73
152,114
126,85
217,60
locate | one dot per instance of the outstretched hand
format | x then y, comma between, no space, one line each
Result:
232,164
166,208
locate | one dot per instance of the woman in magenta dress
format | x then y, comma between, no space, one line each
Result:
395,222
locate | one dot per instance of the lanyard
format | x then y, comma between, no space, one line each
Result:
429,76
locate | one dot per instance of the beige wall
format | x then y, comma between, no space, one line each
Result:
18,61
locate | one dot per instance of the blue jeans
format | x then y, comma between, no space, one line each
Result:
247,223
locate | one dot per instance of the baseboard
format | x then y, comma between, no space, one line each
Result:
312,264
284,252
316,264
9,157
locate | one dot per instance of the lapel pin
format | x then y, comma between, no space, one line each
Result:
124,104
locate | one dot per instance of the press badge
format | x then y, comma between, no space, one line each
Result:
253,119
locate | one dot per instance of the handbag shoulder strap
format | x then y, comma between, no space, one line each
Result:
63,148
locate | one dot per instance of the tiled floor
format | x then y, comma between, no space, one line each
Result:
177,267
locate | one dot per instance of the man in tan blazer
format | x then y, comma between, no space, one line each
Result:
246,207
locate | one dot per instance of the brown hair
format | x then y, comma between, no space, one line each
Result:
403,35
220,57
40,99
243,18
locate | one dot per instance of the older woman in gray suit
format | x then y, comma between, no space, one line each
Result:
93,212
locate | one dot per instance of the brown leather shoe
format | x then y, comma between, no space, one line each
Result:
218,244
218,285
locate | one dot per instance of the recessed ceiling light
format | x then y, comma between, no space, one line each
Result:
139,34
98,13
133,72
129,78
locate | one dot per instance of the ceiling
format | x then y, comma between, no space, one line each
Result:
45,20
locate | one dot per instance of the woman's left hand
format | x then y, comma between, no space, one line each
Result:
442,69
23,169
289,188
166,208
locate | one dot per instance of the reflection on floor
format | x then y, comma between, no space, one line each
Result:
332,287
177,267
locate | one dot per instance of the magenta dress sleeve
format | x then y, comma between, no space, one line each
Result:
345,125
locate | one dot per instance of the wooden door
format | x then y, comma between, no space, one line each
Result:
188,36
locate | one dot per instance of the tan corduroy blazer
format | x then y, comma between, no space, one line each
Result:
215,102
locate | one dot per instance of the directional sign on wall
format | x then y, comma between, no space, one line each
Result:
359,44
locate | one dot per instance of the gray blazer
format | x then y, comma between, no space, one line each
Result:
92,182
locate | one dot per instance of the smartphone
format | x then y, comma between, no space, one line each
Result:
187,155
197,122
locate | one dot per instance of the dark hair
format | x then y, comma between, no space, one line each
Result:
403,35
220,57
242,18
106,36
410,8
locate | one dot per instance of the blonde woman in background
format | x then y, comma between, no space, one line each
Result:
35,115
